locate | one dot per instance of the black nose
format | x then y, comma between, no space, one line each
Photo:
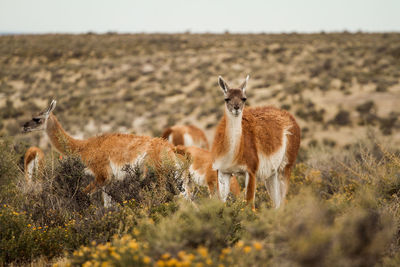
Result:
236,107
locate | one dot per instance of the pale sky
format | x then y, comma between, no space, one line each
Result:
198,16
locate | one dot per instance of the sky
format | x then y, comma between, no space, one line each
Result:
198,16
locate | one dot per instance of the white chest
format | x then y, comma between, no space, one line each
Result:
233,135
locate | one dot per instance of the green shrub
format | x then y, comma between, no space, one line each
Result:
21,241
210,223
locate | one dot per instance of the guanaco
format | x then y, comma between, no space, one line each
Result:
33,162
187,135
201,170
106,155
260,142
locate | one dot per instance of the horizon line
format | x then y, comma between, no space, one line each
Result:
110,32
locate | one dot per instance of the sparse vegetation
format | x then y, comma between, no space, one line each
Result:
143,83
342,207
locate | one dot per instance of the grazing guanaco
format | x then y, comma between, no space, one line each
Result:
201,169
106,155
260,142
187,135
33,162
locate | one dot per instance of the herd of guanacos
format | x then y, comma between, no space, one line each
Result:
253,142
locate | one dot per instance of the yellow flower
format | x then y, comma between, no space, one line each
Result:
181,254
105,264
172,262
239,244
146,260
115,255
208,261
221,265
87,264
202,251
257,245
247,249
226,250
165,256
133,245
102,247
29,225
190,257
160,263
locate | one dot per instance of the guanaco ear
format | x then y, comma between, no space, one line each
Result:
51,107
224,86
244,84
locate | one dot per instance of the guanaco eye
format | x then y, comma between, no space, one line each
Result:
244,99
36,119
227,99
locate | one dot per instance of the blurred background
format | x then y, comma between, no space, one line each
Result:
140,66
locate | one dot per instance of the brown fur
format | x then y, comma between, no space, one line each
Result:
262,132
30,155
202,163
97,152
178,131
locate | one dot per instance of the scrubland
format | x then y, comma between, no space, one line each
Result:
343,206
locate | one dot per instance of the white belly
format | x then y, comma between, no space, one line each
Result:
269,164
199,179
118,170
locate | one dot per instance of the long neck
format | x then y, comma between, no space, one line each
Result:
64,143
233,131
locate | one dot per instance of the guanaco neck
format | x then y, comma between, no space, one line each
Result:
59,138
233,131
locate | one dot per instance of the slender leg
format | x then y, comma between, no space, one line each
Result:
285,181
90,188
273,187
107,200
284,187
186,193
246,181
234,187
224,180
251,189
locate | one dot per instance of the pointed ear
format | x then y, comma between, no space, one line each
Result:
51,107
244,84
224,86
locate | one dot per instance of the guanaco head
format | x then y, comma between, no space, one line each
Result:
38,123
235,98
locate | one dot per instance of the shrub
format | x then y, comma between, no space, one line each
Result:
212,225
21,241
342,118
